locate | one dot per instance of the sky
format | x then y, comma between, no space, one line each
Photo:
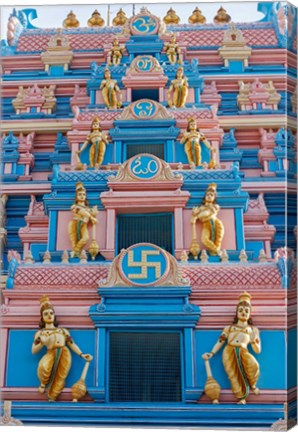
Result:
53,15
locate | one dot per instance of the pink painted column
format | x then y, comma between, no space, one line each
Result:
267,245
161,94
111,229
128,94
178,222
4,343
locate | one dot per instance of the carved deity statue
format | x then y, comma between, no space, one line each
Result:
97,140
82,216
115,54
173,51
111,92
212,227
178,90
191,140
54,366
241,367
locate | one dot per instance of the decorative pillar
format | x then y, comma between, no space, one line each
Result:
178,223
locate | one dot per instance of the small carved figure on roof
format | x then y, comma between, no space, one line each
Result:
115,54
173,51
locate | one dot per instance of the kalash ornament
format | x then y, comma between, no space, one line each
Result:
96,20
222,17
171,17
120,18
197,17
71,21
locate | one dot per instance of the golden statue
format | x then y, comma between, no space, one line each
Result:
197,17
97,141
173,51
241,367
71,21
171,17
222,16
212,228
120,19
54,366
110,90
96,20
115,54
82,215
191,140
178,89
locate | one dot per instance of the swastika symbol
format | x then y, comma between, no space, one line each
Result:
144,264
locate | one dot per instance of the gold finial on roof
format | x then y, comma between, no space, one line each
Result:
71,21
171,17
96,20
120,18
222,16
197,17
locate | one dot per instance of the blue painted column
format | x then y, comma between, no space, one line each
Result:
99,392
197,95
240,242
191,393
92,97
170,151
52,230
118,152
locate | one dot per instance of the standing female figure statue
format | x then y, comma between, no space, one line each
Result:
178,90
82,215
241,367
97,140
111,92
55,365
191,140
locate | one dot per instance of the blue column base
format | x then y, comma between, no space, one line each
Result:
164,414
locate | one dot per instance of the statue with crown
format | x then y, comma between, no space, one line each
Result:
54,366
241,367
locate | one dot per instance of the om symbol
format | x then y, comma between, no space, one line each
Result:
145,64
144,24
145,167
144,109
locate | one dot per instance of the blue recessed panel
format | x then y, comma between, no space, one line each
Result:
272,359
22,364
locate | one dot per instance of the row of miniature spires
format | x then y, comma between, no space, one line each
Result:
96,20
204,258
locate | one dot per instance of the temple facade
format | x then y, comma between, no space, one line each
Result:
149,218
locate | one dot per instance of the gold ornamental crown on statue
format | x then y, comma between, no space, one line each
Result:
245,298
45,301
212,187
80,186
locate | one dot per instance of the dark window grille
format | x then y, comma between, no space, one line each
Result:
154,149
144,367
148,228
